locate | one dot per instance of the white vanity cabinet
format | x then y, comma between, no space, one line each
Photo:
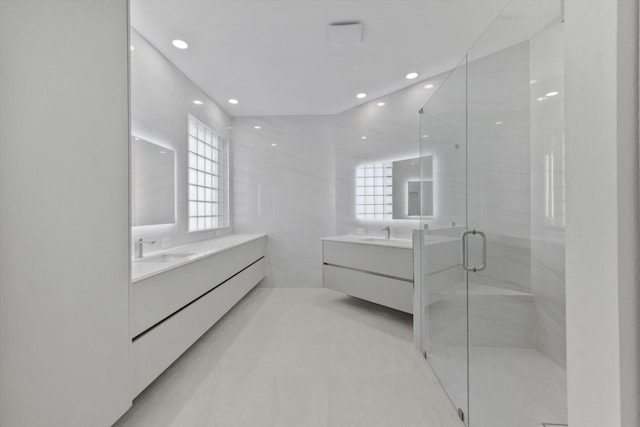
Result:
171,309
376,270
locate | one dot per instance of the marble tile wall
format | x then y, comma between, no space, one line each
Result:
498,156
283,184
499,315
508,138
548,192
548,281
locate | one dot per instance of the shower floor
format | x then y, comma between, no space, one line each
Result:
509,387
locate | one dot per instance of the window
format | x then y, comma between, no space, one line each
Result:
208,195
374,199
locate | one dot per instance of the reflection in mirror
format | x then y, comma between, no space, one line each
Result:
420,194
412,191
413,198
152,183
373,191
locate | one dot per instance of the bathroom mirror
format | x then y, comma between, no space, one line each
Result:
411,194
153,188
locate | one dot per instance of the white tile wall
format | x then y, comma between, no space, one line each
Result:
283,177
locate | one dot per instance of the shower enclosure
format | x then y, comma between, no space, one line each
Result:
492,308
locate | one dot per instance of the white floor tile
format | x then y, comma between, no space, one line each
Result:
298,358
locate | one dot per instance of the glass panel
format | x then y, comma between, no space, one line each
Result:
205,173
444,288
515,196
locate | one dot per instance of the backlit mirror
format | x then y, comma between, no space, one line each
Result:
152,183
411,194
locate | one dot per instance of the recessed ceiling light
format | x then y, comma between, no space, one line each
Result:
257,127
498,123
425,136
552,93
132,47
137,139
363,137
180,44
381,104
197,102
542,98
163,152
428,86
532,82
273,145
361,95
411,76
232,101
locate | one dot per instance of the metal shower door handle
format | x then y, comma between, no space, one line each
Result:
463,236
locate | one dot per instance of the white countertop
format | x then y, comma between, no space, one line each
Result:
394,243
372,240
161,261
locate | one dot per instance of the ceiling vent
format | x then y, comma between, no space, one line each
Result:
345,34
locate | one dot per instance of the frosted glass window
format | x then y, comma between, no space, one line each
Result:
207,177
373,192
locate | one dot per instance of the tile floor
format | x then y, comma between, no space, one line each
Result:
509,387
298,357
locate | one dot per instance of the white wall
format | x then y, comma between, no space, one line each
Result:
161,98
602,212
286,191
64,213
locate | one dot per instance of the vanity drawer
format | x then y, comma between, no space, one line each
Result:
390,261
158,348
159,296
385,291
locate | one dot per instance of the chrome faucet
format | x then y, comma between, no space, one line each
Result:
139,246
388,230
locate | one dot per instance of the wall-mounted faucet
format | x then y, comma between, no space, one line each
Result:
139,246
388,230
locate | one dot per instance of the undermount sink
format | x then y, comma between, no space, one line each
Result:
162,258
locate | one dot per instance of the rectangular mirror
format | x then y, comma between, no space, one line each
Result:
410,193
153,185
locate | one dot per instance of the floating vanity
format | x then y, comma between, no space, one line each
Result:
371,268
178,294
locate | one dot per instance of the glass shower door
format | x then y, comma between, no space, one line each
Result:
515,198
492,249
444,338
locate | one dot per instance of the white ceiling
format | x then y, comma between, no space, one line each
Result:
274,55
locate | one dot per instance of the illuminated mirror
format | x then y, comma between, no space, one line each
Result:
153,189
411,194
